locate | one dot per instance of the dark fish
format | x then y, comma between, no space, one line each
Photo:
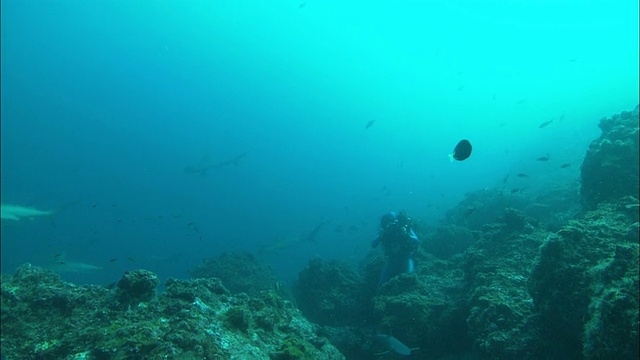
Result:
113,260
57,255
564,166
513,191
543,158
462,151
544,124
370,124
523,175
504,181
130,259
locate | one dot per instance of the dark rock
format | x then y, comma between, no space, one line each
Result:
330,293
449,241
585,286
610,167
137,286
239,272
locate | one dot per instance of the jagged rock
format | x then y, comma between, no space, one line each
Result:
239,272
610,167
193,319
585,286
137,286
330,293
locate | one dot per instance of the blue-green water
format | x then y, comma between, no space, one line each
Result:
104,105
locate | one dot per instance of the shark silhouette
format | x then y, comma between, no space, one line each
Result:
17,212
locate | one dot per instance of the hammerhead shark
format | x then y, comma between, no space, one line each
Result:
17,212
205,164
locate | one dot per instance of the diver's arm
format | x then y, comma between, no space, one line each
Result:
375,242
412,239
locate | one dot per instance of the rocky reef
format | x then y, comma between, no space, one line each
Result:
239,272
46,318
610,167
506,275
329,293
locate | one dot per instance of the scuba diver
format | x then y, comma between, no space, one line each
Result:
399,242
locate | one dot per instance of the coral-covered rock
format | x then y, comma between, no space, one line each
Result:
239,272
585,285
330,293
502,321
448,241
426,309
192,319
610,167
136,286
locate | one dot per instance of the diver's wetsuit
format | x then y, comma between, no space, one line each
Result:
399,242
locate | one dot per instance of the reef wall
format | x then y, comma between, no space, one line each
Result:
610,167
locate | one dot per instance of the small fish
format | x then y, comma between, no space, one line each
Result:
522,175
545,124
565,165
370,124
513,191
543,158
57,255
462,151
113,260
521,101
504,181
130,259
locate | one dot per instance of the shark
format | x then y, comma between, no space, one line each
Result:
206,164
17,212
394,345
73,267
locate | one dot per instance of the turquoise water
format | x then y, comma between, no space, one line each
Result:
104,105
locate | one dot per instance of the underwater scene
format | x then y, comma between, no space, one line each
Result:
305,179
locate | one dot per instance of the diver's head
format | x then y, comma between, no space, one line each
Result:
388,219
